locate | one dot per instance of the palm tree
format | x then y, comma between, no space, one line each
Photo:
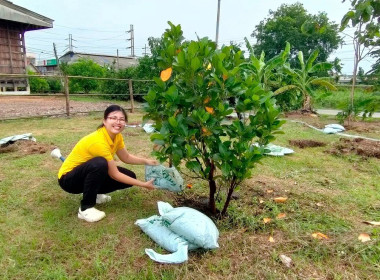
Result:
304,79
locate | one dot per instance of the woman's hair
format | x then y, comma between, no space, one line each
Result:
110,109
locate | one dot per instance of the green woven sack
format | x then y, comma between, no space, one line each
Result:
164,177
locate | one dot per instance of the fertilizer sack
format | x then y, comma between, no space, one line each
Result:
157,229
194,226
164,177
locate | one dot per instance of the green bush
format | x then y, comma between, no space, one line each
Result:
86,68
119,90
38,85
55,85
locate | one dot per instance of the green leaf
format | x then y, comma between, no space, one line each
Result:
194,166
346,18
284,89
324,83
195,63
321,67
225,169
157,136
192,49
311,59
150,96
173,122
181,58
223,150
159,82
300,58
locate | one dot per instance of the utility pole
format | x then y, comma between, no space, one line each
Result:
217,24
144,48
71,46
132,39
117,59
55,54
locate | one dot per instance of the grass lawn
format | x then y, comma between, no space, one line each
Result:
42,238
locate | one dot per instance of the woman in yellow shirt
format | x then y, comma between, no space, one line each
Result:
91,169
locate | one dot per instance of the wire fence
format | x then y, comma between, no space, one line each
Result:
13,105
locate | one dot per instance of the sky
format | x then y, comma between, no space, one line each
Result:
99,26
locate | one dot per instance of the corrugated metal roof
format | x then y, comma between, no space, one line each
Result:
101,59
32,20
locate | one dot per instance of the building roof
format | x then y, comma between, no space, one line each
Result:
101,59
31,20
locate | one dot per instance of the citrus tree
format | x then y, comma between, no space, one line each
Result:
189,104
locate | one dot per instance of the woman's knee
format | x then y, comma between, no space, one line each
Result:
98,164
133,175
127,172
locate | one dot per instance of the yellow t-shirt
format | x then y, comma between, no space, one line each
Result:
96,144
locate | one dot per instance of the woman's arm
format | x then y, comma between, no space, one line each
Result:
126,157
115,174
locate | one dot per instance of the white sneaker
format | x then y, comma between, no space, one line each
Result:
102,198
91,215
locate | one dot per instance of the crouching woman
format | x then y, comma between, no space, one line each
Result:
91,169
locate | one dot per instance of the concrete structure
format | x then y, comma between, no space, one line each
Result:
120,62
48,67
14,22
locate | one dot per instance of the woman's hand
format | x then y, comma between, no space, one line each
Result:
149,185
152,162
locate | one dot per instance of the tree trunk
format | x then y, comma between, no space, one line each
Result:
212,185
306,106
352,95
356,64
230,191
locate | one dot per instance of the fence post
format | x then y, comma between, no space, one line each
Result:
66,88
131,95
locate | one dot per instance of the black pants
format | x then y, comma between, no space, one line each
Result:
91,178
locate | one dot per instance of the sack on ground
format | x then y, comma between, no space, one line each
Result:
164,177
156,228
191,224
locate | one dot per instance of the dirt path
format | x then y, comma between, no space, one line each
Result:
12,107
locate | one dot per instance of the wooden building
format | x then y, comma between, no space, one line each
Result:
14,22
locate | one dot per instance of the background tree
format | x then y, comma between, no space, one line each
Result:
336,69
190,103
304,32
87,68
364,16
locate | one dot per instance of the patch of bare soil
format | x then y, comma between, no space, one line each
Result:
364,127
359,146
199,203
12,107
26,147
306,143
309,118
314,120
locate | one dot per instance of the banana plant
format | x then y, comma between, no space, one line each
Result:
264,72
304,79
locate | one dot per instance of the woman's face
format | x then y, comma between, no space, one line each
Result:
114,123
